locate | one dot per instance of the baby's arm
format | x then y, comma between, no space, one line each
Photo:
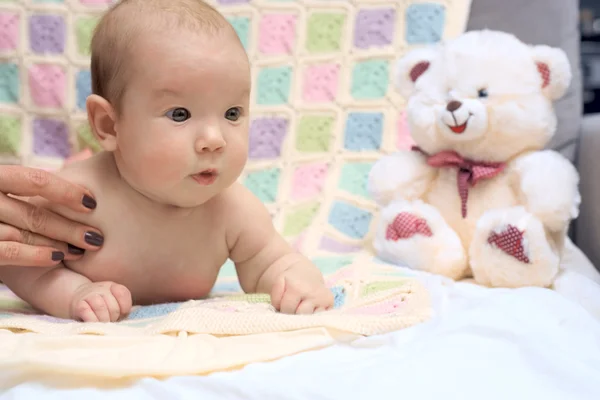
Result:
64,293
266,263
48,290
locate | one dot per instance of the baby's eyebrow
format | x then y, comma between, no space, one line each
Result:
165,91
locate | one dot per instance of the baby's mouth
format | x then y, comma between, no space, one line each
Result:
205,177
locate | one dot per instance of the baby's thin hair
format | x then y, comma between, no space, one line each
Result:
118,28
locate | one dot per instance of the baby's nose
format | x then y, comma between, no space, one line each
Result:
453,105
211,141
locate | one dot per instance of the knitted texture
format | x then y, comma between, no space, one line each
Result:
369,299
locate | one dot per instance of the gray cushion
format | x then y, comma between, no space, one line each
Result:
551,22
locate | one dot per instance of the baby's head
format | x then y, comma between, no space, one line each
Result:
171,89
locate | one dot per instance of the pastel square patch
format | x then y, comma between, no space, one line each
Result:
320,83
370,79
314,133
354,177
308,181
83,85
84,30
350,220
47,85
425,23
241,25
266,137
51,138
277,34
364,131
374,27
10,139
9,83
47,34
324,32
9,30
264,184
86,139
300,218
274,85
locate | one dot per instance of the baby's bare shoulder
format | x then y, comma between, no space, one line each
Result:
243,214
91,172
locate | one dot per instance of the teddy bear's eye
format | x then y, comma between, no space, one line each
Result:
482,93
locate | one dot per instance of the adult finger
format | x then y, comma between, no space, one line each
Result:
29,217
11,234
25,181
24,255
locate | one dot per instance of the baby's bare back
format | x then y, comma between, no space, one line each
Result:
160,254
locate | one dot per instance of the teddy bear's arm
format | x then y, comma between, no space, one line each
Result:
404,175
548,184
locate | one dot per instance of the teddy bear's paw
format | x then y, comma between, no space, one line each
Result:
510,249
414,234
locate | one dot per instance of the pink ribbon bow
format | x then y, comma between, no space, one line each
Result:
469,171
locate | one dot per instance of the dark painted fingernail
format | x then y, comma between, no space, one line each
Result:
93,238
88,202
75,250
58,256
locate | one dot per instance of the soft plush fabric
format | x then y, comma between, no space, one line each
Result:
551,22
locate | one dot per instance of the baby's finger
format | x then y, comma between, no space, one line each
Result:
290,302
99,306
84,312
306,307
123,297
114,311
31,182
277,293
320,309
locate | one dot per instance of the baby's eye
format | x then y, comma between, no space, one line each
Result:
482,93
233,114
178,114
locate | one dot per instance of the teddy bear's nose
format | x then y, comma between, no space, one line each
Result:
453,105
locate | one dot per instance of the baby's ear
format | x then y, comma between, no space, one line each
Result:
411,67
102,118
554,69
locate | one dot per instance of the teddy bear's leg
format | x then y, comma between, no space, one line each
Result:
415,234
510,249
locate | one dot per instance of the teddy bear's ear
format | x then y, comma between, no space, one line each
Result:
554,69
411,67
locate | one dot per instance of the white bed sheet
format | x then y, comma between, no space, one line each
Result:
482,344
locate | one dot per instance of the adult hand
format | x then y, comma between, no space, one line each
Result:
37,237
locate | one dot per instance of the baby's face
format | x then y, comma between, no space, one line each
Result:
182,133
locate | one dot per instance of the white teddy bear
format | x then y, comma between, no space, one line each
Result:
479,196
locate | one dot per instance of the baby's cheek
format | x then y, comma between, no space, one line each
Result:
165,161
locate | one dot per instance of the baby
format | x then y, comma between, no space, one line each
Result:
171,88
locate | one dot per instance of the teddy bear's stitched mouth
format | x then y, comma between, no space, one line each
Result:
458,129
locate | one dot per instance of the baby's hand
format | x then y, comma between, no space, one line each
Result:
101,302
294,294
